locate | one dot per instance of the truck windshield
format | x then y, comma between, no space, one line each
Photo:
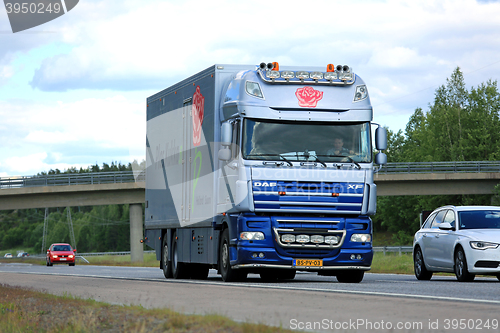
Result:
306,141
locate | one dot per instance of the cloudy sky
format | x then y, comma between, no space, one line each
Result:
73,91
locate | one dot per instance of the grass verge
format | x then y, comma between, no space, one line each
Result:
28,311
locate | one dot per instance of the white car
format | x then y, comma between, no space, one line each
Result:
8,255
464,240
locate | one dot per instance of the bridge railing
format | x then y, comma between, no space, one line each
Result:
441,167
131,176
72,179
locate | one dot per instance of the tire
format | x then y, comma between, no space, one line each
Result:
228,274
165,257
351,276
180,270
72,264
461,270
49,263
419,268
199,271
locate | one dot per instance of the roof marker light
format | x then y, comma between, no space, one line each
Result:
330,68
276,66
302,75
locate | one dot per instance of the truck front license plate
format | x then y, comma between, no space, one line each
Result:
308,262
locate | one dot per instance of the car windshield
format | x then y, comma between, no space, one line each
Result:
306,141
61,248
479,219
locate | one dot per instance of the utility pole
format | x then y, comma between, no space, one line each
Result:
45,226
70,226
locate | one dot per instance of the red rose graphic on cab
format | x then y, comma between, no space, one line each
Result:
198,110
308,96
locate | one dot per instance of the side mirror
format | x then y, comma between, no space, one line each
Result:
226,134
446,226
74,250
225,154
381,159
381,138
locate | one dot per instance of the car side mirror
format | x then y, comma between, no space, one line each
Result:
74,250
446,226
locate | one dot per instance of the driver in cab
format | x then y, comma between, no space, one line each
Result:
338,148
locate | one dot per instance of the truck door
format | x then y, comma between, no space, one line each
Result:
229,173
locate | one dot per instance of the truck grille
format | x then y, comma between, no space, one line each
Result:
307,197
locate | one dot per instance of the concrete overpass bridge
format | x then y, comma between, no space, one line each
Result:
91,189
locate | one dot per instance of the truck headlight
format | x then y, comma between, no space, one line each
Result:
247,235
317,239
288,238
332,240
361,238
483,245
302,238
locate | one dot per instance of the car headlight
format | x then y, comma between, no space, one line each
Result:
361,238
70,256
247,235
483,245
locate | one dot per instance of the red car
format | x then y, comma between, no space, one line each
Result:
61,253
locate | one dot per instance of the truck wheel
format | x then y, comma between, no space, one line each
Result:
167,263
228,274
180,270
351,276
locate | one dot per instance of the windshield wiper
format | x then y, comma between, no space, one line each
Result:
348,157
320,161
287,161
280,156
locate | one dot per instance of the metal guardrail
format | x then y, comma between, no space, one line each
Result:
399,249
72,179
132,176
440,167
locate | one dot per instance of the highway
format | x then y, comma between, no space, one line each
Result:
310,302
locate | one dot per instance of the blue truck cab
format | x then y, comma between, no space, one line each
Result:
262,169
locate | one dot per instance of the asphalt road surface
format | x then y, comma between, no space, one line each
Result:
380,303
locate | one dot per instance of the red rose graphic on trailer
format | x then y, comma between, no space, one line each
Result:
198,111
308,96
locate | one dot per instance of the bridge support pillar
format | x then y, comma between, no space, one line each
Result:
136,233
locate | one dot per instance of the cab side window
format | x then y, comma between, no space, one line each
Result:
438,220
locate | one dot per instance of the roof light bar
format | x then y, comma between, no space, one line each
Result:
334,75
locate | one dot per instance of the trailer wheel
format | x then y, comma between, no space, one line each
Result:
180,270
167,263
228,274
350,276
